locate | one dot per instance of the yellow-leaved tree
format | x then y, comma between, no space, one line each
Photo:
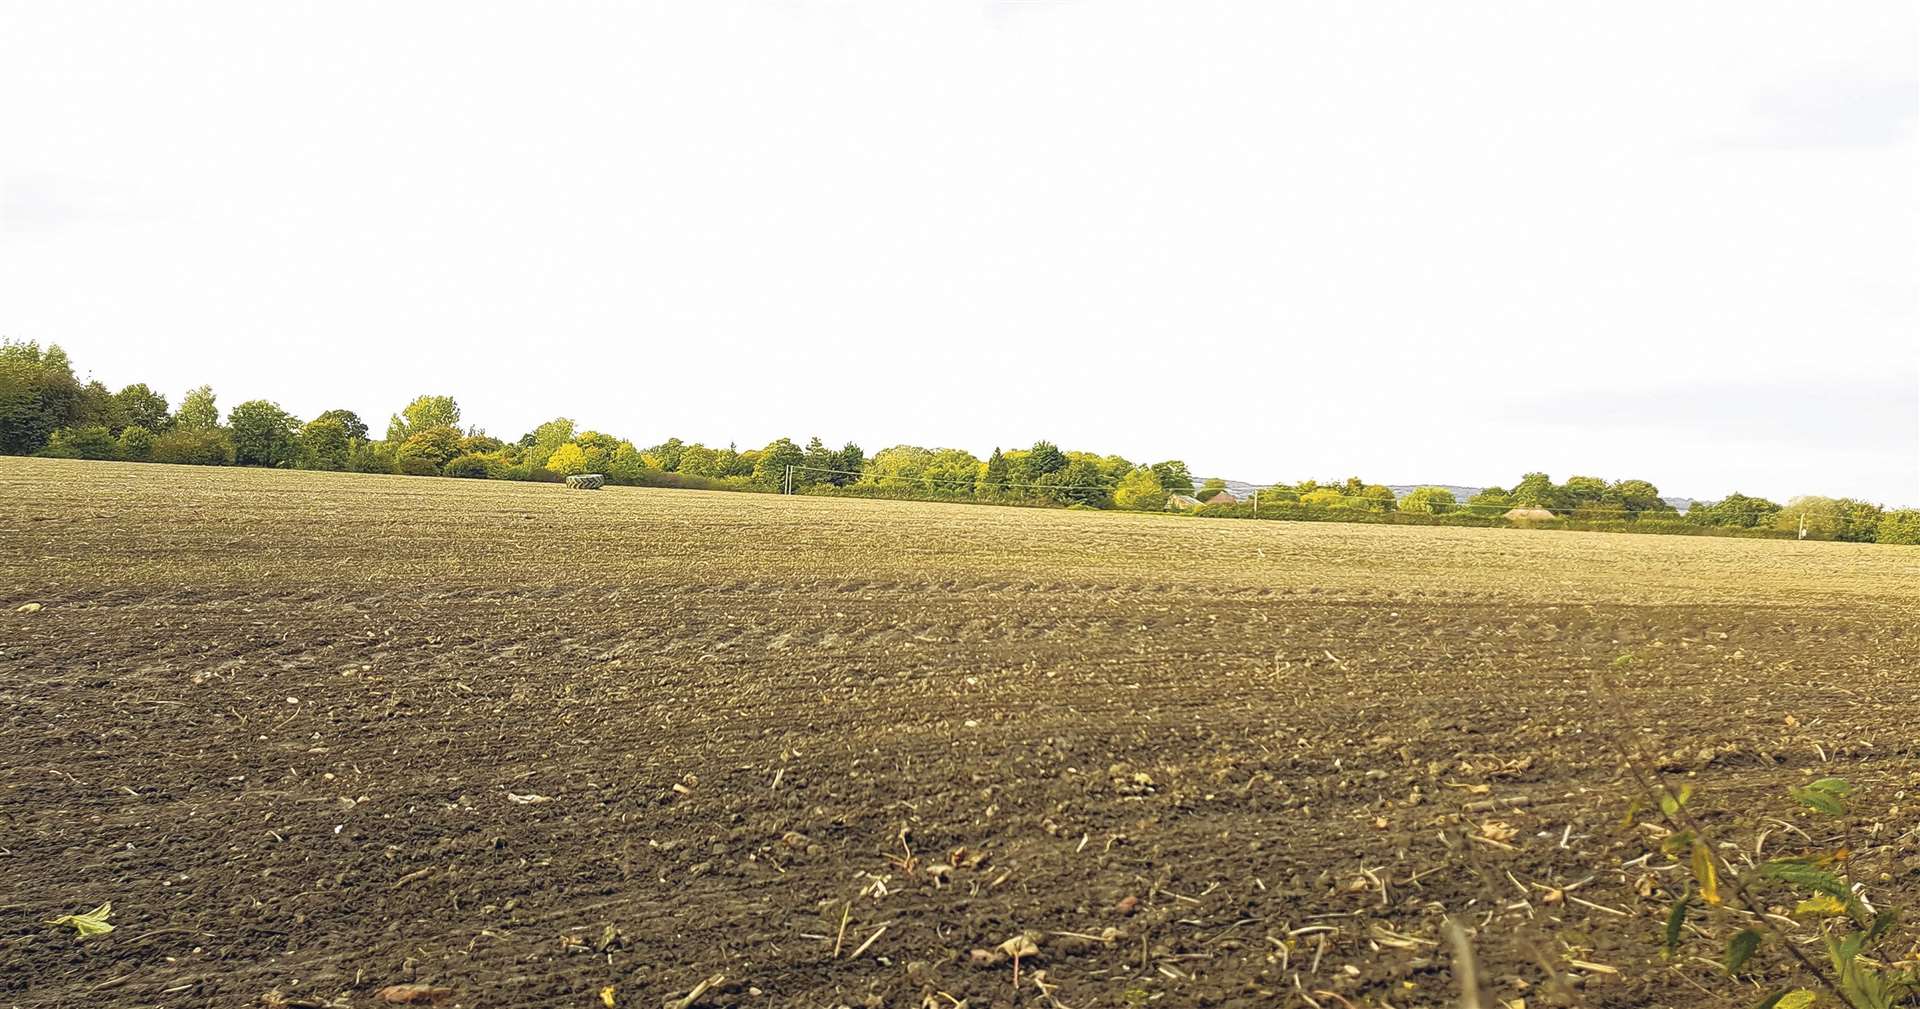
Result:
1140,490
568,460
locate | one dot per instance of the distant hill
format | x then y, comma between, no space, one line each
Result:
1460,493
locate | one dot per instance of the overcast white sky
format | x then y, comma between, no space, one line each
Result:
1414,241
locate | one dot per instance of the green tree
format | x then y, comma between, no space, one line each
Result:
541,442
480,444
850,461
349,421
1173,476
1045,457
198,411
1636,497
628,465
775,458
1490,501
423,413
664,456
1141,490
1210,489
1371,497
951,471
1323,497
900,467
1582,491
1428,501
1080,482
263,434
38,396
1736,510
1536,490
99,408
993,479
325,443
143,407
599,449
733,462
698,460
821,463
425,452
1826,518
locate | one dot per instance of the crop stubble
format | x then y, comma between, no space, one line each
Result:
322,733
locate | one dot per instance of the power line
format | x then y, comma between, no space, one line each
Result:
958,480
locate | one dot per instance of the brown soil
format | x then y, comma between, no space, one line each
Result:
320,734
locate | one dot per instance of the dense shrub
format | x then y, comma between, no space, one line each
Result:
475,466
91,442
136,443
325,444
194,446
372,457
1901,525
1428,501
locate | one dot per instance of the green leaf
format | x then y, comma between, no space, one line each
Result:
1675,918
1672,804
1741,948
1804,875
1798,998
1825,802
1881,923
1849,948
1833,786
88,925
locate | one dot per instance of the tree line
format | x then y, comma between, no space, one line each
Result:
46,410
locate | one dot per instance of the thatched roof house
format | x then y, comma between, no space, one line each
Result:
1528,515
1181,502
1224,497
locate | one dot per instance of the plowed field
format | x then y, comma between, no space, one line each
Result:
319,734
